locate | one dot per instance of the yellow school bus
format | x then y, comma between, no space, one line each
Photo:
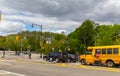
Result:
108,55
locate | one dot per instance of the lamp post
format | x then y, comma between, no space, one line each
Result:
40,37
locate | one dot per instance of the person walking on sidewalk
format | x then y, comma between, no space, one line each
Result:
3,54
29,55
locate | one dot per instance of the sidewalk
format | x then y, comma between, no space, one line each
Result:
10,55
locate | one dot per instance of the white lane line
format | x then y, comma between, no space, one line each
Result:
5,63
7,72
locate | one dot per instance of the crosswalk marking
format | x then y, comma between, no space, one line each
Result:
11,73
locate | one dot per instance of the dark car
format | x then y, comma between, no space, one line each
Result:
53,56
60,57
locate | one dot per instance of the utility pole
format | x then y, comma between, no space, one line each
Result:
0,15
4,44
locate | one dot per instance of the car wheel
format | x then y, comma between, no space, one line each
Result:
51,59
83,62
110,64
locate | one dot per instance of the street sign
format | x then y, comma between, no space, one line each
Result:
48,40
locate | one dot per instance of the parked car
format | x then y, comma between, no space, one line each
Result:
60,57
52,56
71,58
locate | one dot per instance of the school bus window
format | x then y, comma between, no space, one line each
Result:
103,51
89,52
115,51
97,51
109,51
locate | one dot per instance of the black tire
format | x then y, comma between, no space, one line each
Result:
83,62
51,59
110,63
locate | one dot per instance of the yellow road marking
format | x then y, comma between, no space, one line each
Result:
63,64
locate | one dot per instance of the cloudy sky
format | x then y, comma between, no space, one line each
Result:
55,15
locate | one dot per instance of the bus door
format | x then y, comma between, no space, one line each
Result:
89,57
103,56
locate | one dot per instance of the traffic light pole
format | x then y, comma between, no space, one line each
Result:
40,38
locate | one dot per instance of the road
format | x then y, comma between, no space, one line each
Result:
24,68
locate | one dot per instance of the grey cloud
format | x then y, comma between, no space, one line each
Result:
68,10
62,9
108,11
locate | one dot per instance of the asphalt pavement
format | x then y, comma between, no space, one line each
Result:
21,65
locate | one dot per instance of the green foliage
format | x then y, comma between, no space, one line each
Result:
82,37
35,41
107,35
86,33
89,35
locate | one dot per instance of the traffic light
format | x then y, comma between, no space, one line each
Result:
17,37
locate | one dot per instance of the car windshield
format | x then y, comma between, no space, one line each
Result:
54,53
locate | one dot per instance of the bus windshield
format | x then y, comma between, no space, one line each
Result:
89,52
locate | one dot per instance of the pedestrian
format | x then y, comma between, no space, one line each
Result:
29,55
3,54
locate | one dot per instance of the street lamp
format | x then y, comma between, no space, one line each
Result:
40,37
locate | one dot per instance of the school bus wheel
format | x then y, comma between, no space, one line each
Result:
110,63
83,62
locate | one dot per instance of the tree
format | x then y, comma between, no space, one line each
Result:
82,37
107,34
87,33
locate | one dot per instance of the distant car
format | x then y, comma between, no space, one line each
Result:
60,57
24,52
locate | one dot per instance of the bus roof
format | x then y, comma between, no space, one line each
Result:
109,46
